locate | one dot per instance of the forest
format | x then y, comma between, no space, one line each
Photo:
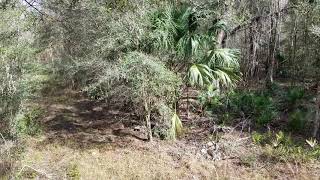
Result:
159,89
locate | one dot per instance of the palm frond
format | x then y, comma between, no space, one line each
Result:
164,27
226,76
217,26
200,75
190,44
223,57
315,30
176,126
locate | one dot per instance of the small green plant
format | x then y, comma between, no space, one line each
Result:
312,142
28,124
73,172
280,147
294,96
297,120
281,139
258,138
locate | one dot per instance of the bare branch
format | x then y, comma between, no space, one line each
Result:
35,8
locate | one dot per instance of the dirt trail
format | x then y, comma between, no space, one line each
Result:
84,139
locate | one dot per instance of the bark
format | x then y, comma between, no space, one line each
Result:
188,104
317,115
271,57
147,104
148,124
221,39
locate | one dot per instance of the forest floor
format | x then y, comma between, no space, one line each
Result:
83,139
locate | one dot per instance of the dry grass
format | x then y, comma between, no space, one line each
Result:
158,160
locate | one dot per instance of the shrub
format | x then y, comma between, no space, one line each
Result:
294,96
141,81
258,138
148,78
260,107
297,120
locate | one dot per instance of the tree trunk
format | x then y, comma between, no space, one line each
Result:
271,57
272,45
317,116
148,124
188,103
147,104
221,39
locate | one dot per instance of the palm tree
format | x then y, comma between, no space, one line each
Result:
176,29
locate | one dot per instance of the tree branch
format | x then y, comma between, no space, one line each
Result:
253,20
35,8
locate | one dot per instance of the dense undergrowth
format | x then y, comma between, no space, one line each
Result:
145,57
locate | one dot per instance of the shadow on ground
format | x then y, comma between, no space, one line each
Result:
78,122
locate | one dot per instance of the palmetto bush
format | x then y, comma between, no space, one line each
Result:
179,30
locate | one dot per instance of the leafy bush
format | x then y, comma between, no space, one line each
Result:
148,78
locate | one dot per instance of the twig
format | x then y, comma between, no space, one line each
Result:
35,8
5,142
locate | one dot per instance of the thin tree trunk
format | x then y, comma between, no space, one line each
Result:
148,123
271,55
147,114
272,47
188,103
147,118
317,116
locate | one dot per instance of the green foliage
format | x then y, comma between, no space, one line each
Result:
177,29
28,123
139,80
297,120
16,52
281,147
200,75
294,96
149,79
258,138
261,108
